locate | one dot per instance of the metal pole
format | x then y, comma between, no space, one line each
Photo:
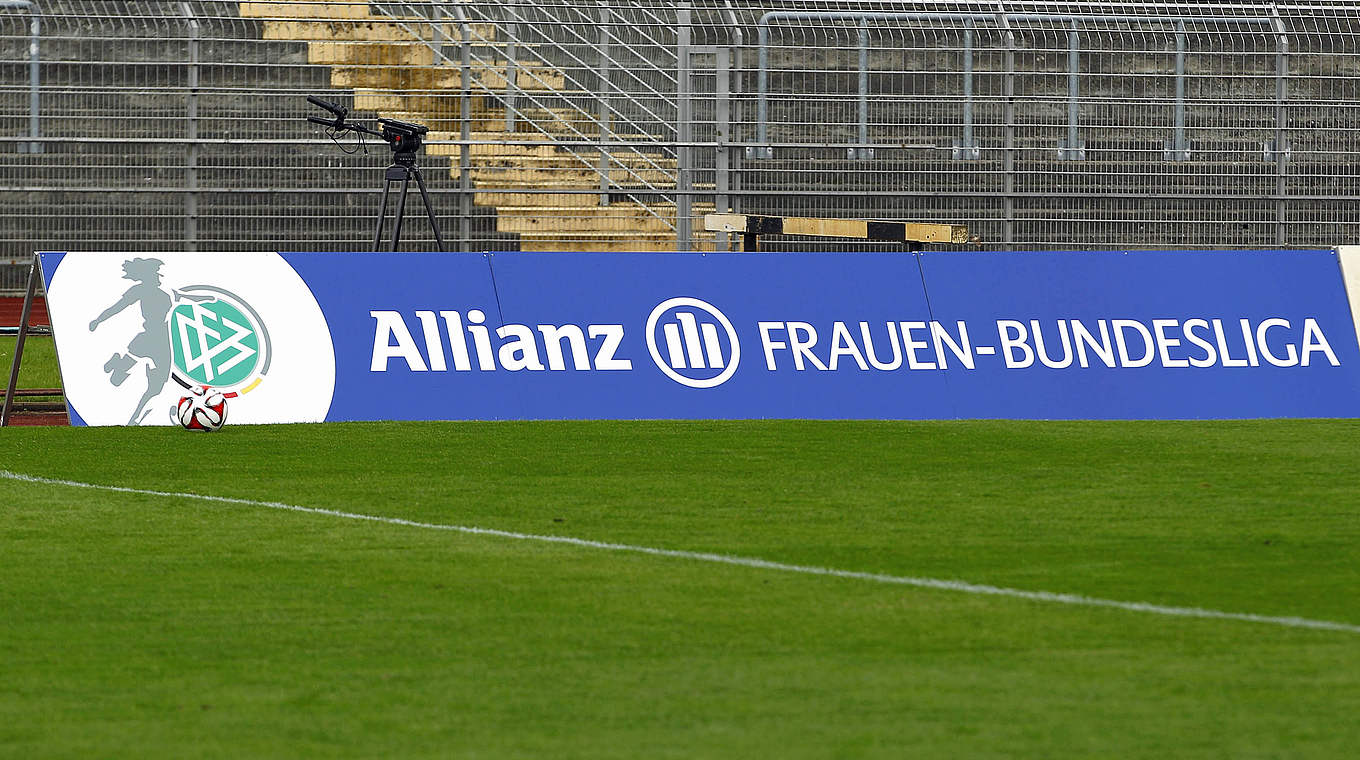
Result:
734,109
465,131
684,117
967,148
605,103
1073,149
512,78
1281,121
762,86
1008,154
34,61
437,35
863,151
191,161
723,127
1180,146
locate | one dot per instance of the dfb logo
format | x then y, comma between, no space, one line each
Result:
685,343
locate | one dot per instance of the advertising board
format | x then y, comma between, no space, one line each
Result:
308,337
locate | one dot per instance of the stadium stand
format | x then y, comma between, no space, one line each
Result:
619,125
549,196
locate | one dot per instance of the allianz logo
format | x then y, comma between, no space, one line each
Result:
689,340
701,349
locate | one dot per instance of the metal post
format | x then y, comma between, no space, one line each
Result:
967,149
723,128
465,131
34,61
863,151
191,160
1008,154
1178,148
762,148
1073,149
605,102
512,97
733,181
19,342
437,35
684,131
1281,143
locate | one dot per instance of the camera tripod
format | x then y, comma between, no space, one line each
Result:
405,139
403,169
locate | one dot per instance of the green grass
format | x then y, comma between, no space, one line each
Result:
137,625
37,369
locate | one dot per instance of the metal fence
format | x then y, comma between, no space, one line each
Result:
179,125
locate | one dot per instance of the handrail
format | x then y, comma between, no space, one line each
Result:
576,59
489,92
397,21
34,58
589,118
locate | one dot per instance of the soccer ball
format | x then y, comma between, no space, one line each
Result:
203,410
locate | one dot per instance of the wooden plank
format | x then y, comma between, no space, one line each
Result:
860,229
846,228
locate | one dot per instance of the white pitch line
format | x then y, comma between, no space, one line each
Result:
725,559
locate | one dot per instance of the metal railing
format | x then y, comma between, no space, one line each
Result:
177,124
507,19
34,61
1071,148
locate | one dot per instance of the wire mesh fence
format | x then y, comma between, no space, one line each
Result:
616,125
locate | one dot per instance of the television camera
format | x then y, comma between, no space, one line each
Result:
405,139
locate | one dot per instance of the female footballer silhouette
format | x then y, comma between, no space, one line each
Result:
153,342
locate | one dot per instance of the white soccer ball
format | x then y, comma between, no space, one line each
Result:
203,410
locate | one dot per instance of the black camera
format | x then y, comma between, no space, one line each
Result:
403,136
405,139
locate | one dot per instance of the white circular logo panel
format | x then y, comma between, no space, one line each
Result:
136,330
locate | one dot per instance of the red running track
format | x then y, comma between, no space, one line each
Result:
11,308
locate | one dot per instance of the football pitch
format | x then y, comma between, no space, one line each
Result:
773,589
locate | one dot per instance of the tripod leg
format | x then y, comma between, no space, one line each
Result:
429,210
401,212
382,215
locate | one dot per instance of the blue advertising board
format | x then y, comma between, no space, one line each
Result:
935,335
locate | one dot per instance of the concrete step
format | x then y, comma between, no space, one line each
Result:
374,29
445,104
565,161
517,177
427,103
552,200
614,218
500,140
546,157
490,123
532,124
491,76
398,54
409,54
313,9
